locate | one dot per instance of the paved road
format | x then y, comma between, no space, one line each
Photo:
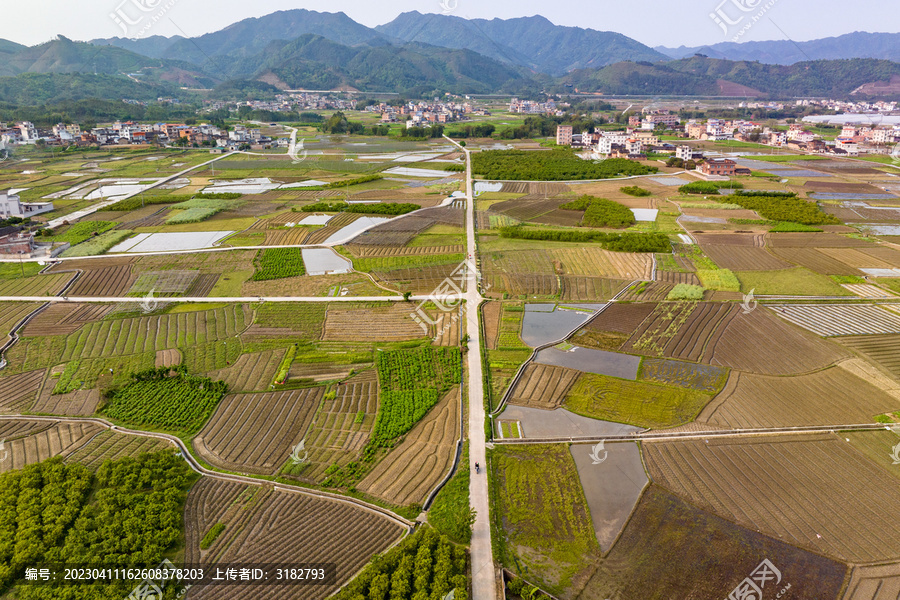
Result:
484,580
87,211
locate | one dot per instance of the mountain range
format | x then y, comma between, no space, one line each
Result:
420,54
859,44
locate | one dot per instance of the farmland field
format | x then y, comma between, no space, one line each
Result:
784,485
880,582
797,281
76,403
55,439
638,403
744,258
540,517
337,433
250,372
829,397
788,349
385,323
882,349
39,285
684,330
152,333
63,319
681,551
255,432
110,445
266,526
179,403
831,320
18,391
102,277
543,386
414,467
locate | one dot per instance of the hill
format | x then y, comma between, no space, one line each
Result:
532,42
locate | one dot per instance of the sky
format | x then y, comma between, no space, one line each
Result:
652,22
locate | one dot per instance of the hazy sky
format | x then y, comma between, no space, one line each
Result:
653,22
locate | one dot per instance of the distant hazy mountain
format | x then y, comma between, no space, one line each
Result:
313,62
154,46
884,46
533,42
8,47
710,76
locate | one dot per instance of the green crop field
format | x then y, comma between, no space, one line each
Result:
790,282
121,337
278,263
637,403
180,403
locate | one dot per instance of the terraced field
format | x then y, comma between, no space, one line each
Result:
110,445
833,396
415,466
64,319
250,372
281,527
543,386
57,439
81,403
17,392
152,333
254,433
790,487
38,285
837,319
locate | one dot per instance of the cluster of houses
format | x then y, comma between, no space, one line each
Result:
130,133
420,114
529,107
631,143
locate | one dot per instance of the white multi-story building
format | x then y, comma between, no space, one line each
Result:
12,206
27,131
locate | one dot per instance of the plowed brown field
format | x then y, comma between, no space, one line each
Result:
254,433
791,487
543,386
414,467
830,397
